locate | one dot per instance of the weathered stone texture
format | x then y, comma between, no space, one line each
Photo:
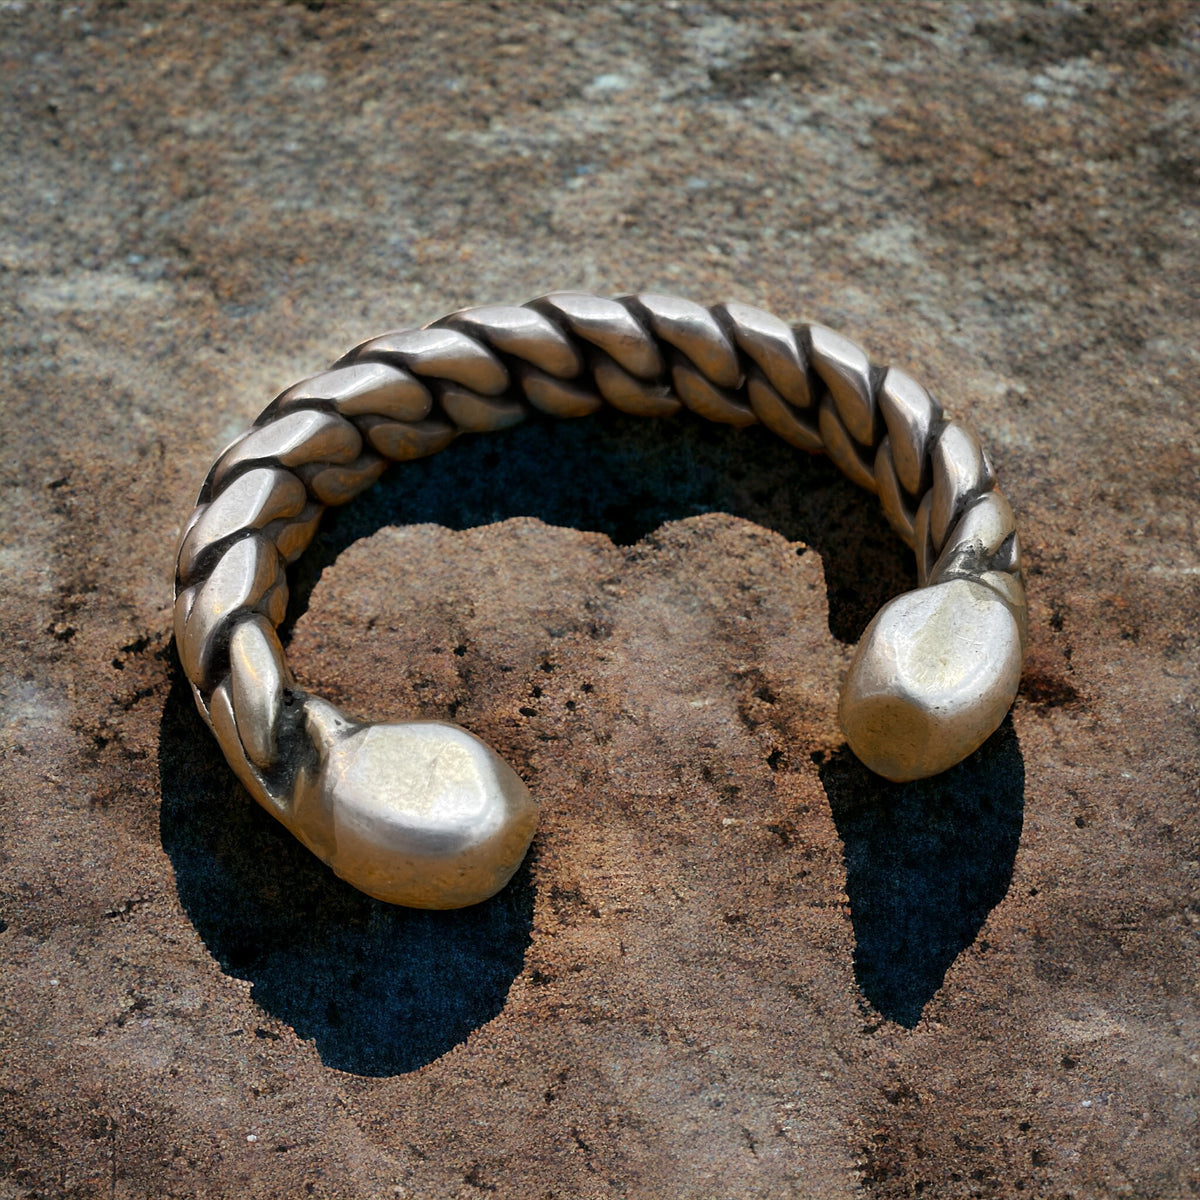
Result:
736,964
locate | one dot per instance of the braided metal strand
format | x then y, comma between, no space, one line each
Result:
408,394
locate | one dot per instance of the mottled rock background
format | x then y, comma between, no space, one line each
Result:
736,965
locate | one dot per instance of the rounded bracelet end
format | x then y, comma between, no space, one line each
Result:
933,676
421,813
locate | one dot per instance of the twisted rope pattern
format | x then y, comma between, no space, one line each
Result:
409,394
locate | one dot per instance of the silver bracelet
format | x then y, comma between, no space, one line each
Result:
423,813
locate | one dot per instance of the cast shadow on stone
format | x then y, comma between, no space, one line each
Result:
383,990
379,989
625,476
925,864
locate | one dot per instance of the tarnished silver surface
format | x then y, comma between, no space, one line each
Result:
473,413
771,344
911,416
1010,588
447,354
558,397
694,332
420,813
933,676
303,436
219,712
707,400
960,474
402,441
292,537
891,494
846,371
376,388
795,425
607,325
424,814
986,533
236,582
628,394
257,676
523,333
841,447
923,539
252,501
338,483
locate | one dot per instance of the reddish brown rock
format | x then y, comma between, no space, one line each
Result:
981,987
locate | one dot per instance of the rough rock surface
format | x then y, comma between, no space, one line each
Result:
736,964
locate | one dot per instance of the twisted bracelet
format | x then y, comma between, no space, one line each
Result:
423,813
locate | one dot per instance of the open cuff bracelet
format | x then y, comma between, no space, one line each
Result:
423,813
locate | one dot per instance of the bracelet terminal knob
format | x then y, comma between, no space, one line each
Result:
420,813
931,680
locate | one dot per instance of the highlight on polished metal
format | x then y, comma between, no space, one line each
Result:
423,813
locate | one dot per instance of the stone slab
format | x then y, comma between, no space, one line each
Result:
736,964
